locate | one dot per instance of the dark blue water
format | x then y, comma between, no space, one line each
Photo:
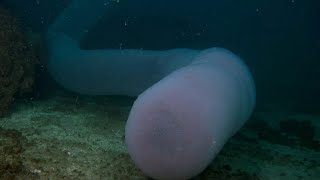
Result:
279,40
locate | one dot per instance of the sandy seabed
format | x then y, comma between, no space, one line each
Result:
71,137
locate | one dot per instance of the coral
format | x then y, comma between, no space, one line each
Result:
17,61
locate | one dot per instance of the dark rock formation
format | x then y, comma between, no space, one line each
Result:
17,61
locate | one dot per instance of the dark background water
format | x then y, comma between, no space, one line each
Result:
279,40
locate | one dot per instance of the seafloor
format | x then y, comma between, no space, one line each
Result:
69,137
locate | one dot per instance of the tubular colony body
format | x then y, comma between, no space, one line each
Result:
189,102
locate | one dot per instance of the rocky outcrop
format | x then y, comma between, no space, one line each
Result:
17,61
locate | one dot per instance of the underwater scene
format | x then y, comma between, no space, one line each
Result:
159,90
